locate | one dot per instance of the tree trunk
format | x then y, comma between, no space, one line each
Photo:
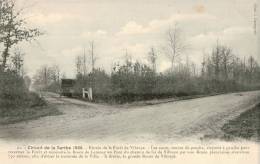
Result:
5,56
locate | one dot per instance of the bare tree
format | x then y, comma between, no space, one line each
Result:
42,78
193,69
55,73
47,76
210,69
79,65
93,62
252,66
226,53
92,55
152,57
216,60
84,65
237,69
175,44
203,67
13,29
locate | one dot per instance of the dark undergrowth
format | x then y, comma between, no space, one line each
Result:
25,114
247,125
32,107
17,103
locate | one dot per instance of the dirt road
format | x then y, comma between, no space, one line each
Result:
181,120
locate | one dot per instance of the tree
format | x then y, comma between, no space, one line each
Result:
237,69
17,62
79,65
226,53
175,44
193,69
42,78
47,78
152,57
55,73
221,60
92,55
93,61
203,67
216,60
13,29
27,82
252,67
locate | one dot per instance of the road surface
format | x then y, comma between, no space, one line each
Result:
187,120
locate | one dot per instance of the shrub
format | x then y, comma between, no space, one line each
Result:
13,90
15,96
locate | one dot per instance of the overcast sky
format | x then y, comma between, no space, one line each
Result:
135,25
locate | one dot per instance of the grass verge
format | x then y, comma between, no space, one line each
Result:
246,126
30,114
33,108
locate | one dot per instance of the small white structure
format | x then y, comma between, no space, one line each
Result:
89,92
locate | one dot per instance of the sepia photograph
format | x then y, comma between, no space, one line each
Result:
129,73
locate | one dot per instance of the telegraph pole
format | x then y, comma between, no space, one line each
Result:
92,55
84,63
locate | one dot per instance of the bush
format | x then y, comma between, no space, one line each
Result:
15,96
134,81
13,91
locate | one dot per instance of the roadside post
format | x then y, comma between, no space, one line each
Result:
89,92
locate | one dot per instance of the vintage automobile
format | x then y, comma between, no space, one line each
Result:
66,87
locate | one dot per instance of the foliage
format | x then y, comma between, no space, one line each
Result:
15,95
47,78
221,72
13,29
12,90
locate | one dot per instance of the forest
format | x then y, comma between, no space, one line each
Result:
221,71
17,102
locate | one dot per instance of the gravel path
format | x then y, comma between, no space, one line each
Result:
187,120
